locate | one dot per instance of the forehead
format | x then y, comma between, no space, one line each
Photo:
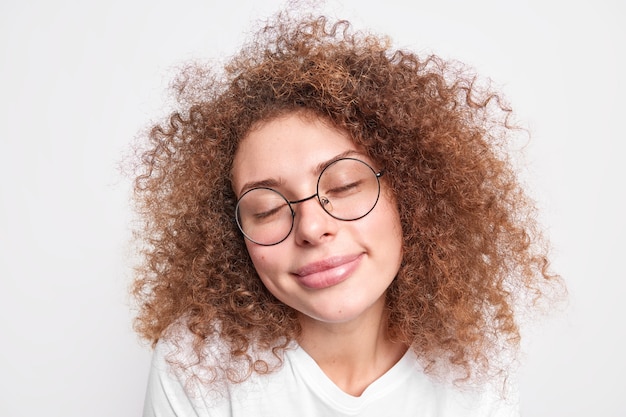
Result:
288,146
289,133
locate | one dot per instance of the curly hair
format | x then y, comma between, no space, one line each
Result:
471,246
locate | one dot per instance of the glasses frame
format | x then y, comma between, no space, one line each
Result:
322,200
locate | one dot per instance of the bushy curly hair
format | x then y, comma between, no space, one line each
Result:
471,246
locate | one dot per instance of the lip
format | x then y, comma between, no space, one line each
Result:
328,272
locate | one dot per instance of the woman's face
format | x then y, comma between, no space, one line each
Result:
327,269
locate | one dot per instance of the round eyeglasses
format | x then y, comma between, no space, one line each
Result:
347,189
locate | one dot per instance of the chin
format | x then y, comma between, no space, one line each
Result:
334,314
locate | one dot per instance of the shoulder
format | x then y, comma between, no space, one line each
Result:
188,378
489,399
173,388
417,391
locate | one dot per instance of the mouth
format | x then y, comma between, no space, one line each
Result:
328,272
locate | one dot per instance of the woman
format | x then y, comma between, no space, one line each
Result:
332,228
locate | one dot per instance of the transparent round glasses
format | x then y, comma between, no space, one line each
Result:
347,189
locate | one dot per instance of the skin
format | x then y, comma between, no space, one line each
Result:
334,273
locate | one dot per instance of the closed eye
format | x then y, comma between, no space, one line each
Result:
345,189
266,214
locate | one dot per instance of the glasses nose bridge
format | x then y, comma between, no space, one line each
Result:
323,202
302,200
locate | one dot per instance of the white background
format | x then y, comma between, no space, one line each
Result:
79,79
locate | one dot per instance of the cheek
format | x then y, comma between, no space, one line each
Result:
267,265
261,259
389,218
389,228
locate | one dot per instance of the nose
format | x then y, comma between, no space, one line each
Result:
312,225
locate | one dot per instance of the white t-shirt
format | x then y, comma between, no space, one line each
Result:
301,389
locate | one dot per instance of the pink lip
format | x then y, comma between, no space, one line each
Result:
328,272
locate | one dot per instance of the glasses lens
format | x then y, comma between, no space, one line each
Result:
264,216
348,189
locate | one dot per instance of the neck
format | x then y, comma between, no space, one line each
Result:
352,354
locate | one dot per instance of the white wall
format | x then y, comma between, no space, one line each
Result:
78,79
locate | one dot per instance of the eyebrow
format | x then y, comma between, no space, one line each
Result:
322,165
275,183
266,183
